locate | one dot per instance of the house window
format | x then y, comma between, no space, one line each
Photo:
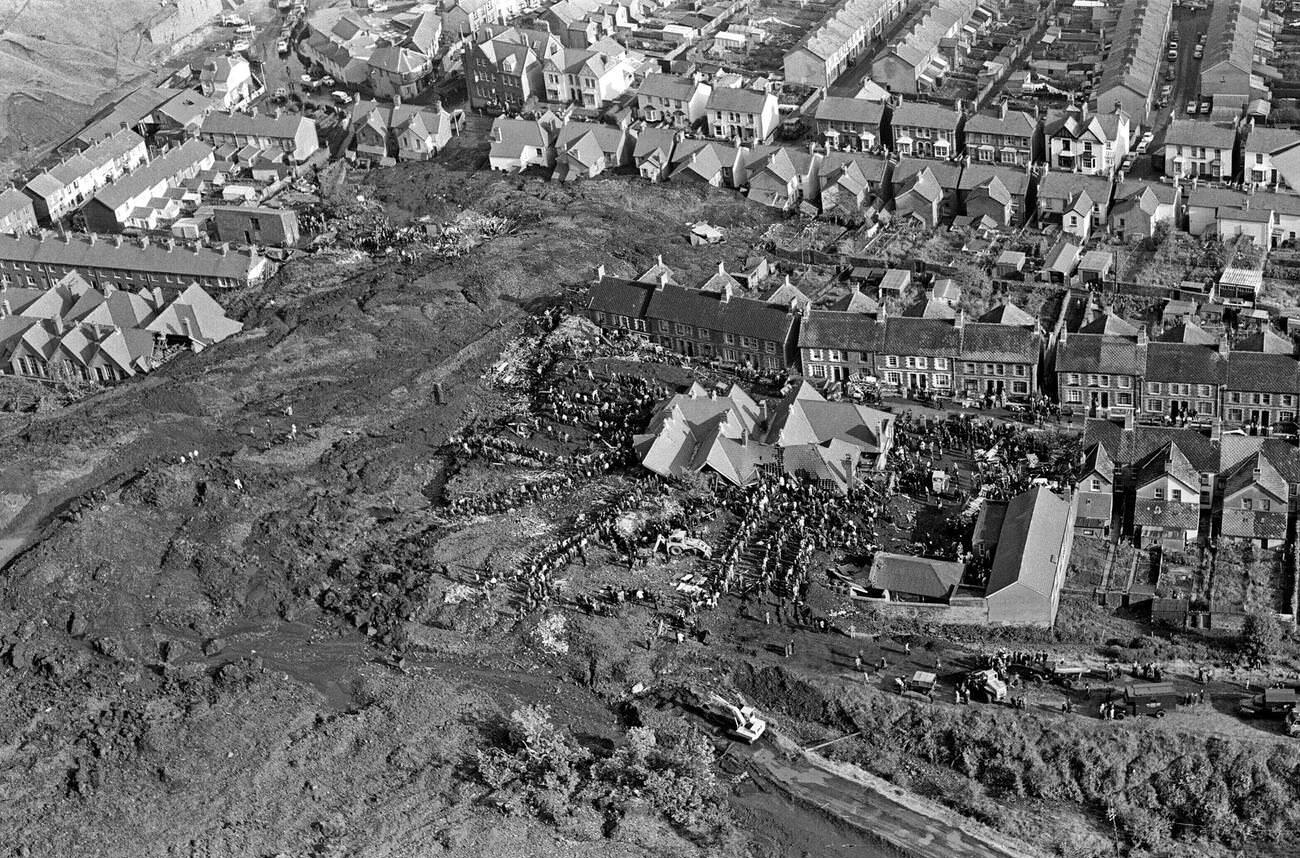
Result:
1153,387
1096,484
600,318
1235,398
1155,405
1247,504
893,378
1123,399
682,330
1019,387
817,370
1176,496
639,324
1265,505
770,348
1160,493
942,381
1234,415
729,339
1021,370
891,361
815,354
1072,378
1286,399
1074,396
970,367
1092,379
1105,381
1202,390
663,327
1124,382
940,363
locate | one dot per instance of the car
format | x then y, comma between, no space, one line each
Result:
1191,108
1146,138
326,81
282,46
245,29
229,20
341,97
282,92
1170,74
240,45
1198,53
1205,106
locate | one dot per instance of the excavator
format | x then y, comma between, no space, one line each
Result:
742,722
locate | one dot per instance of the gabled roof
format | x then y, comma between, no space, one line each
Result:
999,343
654,145
1009,314
1255,470
834,108
668,86
1032,537
1191,132
842,330
737,100
1261,372
930,308
1188,334
516,135
1167,460
1017,123
1173,515
741,316
928,337
917,576
1097,461
1109,324
1267,341
1127,447
1182,362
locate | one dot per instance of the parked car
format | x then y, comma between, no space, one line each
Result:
1205,105
282,46
240,45
1198,52
1191,107
341,97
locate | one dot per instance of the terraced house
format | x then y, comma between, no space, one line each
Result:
710,325
1099,368
843,34
923,130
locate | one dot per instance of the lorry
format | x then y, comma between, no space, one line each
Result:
922,682
1153,699
678,543
1273,703
741,721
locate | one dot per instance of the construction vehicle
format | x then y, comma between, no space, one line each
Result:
678,543
742,722
1273,703
988,685
922,682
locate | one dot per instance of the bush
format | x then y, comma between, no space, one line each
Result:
1262,634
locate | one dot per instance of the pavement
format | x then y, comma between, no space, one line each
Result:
913,825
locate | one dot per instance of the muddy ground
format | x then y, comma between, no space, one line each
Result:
193,661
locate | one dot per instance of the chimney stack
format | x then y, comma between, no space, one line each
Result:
600,272
1223,345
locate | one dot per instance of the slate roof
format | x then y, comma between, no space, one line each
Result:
1260,372
1167,460
837,329
930,308
654,144
1096,353
1242,475
737,100
999,343
668,86
1186,332
1268,341
1192,132
1098,461
928,337
743,316
1110,325
1008,313
1166,514
1179,362
835,108
277,128
1240,523
1127,447
1034,529
81,252
915,576
165,168
620,297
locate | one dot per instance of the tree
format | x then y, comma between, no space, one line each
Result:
1158,235
1262,633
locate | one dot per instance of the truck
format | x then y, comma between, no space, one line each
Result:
1273,703
741,721
922,682
1153,699
988,685
678,543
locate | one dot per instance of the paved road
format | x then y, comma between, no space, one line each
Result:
903,825
1187,26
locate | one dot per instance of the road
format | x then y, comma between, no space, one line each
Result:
1187,27
914,826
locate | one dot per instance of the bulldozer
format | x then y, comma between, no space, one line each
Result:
678,543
